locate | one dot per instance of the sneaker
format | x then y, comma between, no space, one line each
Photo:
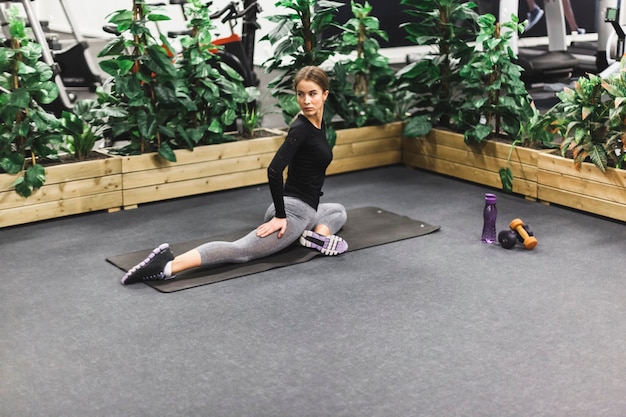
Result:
579,31
327,245
151,268
533,18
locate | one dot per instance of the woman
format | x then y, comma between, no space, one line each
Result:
295,213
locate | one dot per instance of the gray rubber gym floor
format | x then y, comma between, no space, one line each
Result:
439,325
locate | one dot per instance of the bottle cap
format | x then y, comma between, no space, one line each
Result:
490,198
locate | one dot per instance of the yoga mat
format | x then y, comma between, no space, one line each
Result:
365,227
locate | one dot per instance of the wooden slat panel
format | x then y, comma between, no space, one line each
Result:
580,186
345,136
63,191
177,173
83,170
588,171
364,161
460,157
54,209
588,189
367,147
71,171
193,187
470,173
581,202
428,146
203,153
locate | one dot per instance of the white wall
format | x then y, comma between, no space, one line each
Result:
91,15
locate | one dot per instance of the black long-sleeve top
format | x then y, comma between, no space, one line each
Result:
307,154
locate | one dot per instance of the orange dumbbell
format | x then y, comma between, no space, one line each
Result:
529,241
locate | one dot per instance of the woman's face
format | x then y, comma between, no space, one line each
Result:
311,98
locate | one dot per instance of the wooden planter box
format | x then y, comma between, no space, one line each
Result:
117,182
589,189
211,168
367,147
149,177
447,153
70,188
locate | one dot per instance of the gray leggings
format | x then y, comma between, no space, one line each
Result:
300,217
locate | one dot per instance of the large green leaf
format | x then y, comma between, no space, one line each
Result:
114,47
166,152
20,98
417,126
22,188
160,62
35,176
47,92
146,122
506,178
13,163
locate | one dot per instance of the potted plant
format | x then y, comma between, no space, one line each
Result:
31,140
496,101
493,104
447,26
27,133
363,84
589,120
167,105
167,100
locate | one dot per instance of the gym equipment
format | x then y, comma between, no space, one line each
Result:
72,66
540,66
76,65
605,61
237,51
605,55
65,99
529,241
366,227
509,237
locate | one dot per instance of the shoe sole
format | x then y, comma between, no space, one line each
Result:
327,245
157,251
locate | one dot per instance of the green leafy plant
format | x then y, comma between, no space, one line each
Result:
252,116
446,26
539,130
216,92
363,84
27,133
496,100
161,101
615,144
582,119
80,130
297,40
144,84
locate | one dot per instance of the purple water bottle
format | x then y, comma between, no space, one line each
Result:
490,212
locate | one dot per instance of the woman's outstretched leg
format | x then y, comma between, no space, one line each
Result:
161,263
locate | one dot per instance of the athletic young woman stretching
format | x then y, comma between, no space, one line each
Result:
295,212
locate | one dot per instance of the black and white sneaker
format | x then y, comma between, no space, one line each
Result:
151,268
534,16
327,245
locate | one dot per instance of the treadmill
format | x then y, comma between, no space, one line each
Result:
540,65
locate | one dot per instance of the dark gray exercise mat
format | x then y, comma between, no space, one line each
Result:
366,227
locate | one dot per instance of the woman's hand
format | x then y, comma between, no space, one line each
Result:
272,226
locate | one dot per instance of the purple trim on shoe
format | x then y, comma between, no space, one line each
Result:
328,245
151,268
